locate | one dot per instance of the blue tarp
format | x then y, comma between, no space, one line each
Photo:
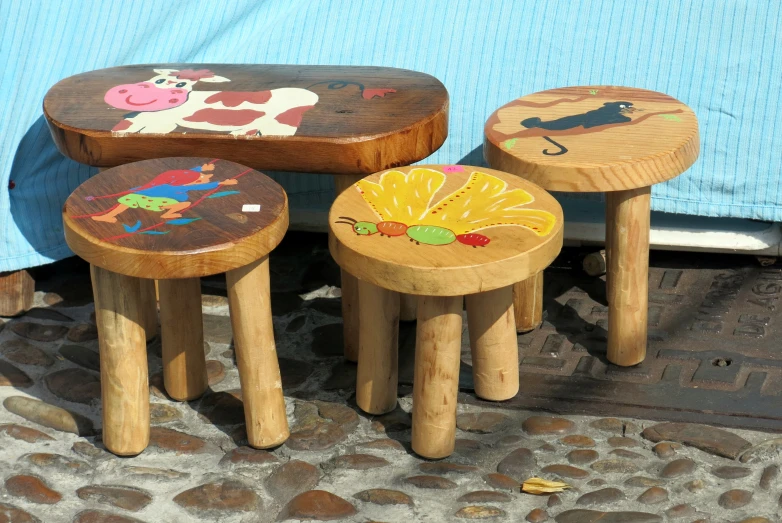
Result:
721,57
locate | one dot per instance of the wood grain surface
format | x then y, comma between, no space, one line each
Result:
444,230
323,119
192,217
593,139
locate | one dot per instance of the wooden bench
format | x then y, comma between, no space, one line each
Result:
442,233
345,121
175,220
615,140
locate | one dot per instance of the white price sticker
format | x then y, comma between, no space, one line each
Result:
251,207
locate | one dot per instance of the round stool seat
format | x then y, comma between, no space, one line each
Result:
593,139
175,218
440,230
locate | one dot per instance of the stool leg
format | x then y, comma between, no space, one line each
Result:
610,219
123,361
249,301
436,375
349,285
182,332
149,308
408,304
376,380
628,274
495,351
528,303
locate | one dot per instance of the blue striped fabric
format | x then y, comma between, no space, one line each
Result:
722,57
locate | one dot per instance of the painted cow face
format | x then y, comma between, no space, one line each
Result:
164,91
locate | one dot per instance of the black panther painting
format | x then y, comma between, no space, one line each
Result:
610,113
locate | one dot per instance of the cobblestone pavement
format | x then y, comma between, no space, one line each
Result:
338,464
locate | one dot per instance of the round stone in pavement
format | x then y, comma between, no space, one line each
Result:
11,376
519,464
443,467
37,331
565,471
601,497
24,433
160,413
214,498
582,456
32,489
47,461
653,495
665,450
127,498
360,462
82,356
537,515
485,496
501,481
24,353
730,472
768,476
735,498
215,372
614,466
621,441
76,385
291,479
83,332
318,505
49,415
678,467
542,425
479,512
683,510
381,496
611,425
577,440
173,440
592,516
100,516
481,422
430,482
14,514
248,456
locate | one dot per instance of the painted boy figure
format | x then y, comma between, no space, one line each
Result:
166,193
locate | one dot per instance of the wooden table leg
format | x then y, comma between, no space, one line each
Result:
149,308
628,273
610,219
249,301
408,305
528,303
495,351
182,330
123,361
349,285
376,380
436,376
17,290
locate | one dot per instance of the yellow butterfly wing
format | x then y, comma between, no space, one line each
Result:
484,201
402,197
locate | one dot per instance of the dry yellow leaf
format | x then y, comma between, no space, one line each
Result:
543,486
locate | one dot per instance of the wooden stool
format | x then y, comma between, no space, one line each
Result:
441,232
615,140
175,220
346,121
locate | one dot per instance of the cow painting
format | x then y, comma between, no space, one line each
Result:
167,100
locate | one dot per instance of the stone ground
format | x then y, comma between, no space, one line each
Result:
338,464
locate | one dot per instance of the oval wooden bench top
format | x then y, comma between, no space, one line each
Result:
593,139
175,218
323,119
444,230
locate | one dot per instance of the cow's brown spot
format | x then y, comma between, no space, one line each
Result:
232,99
293,116
124,124
225,116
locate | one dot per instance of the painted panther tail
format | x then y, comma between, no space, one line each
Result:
531,122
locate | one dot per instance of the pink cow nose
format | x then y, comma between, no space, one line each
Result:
139,97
